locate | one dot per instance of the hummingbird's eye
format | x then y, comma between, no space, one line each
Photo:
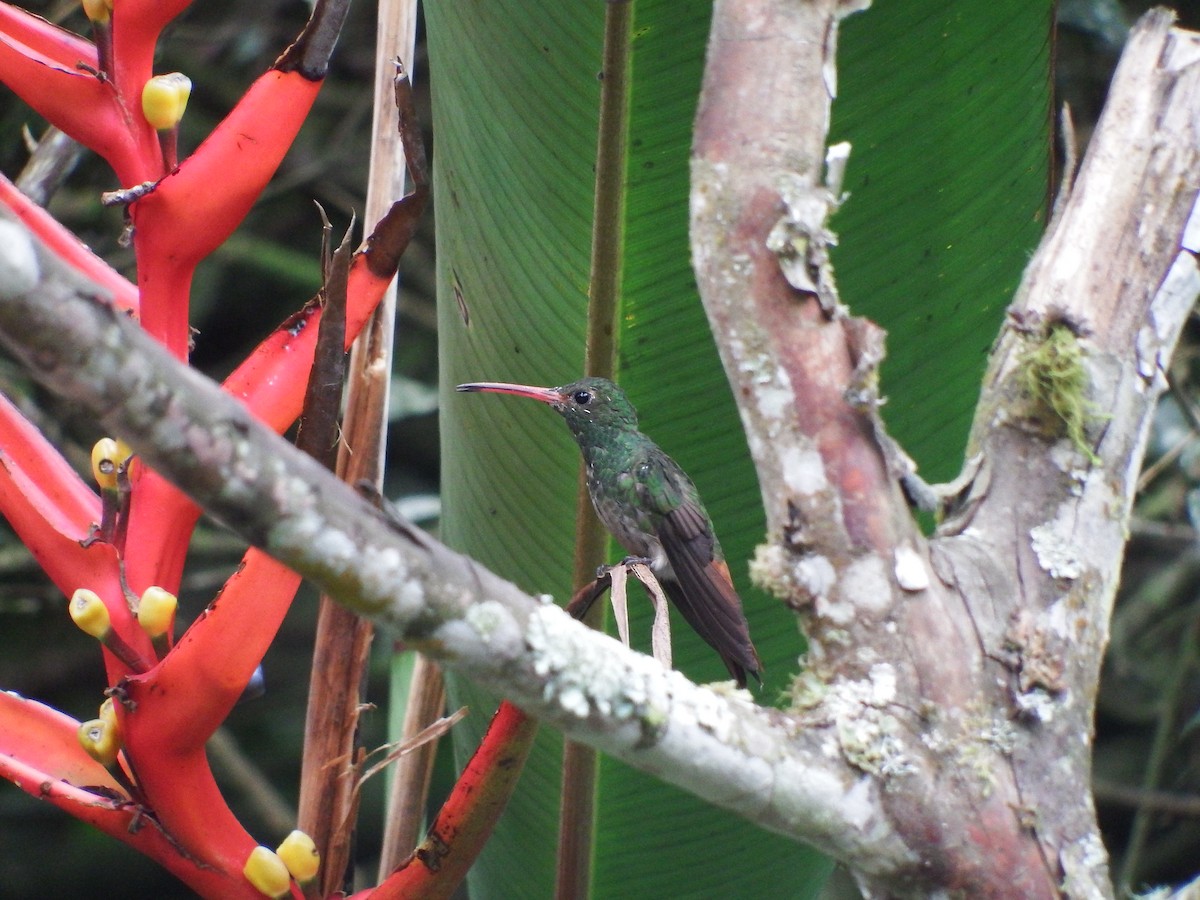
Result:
582,398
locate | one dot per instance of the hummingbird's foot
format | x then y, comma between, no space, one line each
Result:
615,578
589,593
627,563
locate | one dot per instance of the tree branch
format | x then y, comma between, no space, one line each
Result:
719,746
1018,583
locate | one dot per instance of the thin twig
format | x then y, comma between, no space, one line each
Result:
1158,801
54,158
1164,737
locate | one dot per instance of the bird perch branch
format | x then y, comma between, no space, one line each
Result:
718,746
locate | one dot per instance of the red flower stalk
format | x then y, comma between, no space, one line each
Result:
139,773
160,796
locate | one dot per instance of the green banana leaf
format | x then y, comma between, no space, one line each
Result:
943,212
948,106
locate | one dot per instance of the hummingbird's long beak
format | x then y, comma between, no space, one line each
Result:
545,395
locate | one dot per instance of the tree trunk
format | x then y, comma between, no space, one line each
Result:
957,675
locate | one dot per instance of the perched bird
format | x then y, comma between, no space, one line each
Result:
653,509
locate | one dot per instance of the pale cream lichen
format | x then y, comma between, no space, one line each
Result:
769,571
836,637
780,573
578,679
457,640
292,533
497,629
973,737
832,611
870,743
806,692
866,734
975,759
385,574
775,400
865,587
336,548
1001,735
1084,863
816,575
803,470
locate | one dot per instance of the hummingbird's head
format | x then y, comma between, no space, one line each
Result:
595,402
586,404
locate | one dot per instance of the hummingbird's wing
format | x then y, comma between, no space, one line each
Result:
702,589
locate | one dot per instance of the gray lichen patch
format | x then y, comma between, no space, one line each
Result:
807,692
798,579
1036,647
488,631
496,627
801,238
372,580
769,571
976,740
388,581
865,589
865,733
1056,551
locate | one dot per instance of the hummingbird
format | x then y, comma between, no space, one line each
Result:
653,509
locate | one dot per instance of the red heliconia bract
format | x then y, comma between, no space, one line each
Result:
168,709
160,796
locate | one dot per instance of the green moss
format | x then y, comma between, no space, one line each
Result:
1054,377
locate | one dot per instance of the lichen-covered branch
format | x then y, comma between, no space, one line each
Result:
1062,424
979,650
717,745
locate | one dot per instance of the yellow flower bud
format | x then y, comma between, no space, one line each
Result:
105,458
108,715
164,98
156,610
300,855
89,613
99,11
124,452
101,741
266,871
